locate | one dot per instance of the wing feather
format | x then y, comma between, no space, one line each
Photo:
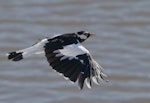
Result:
75,63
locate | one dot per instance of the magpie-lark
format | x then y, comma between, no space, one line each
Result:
66,55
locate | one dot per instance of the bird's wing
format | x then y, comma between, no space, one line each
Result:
73,61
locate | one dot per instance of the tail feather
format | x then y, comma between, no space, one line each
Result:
14,56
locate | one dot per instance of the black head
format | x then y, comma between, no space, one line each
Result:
83,35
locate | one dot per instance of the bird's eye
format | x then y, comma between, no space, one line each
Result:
87,34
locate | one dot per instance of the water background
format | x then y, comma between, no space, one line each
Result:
122,47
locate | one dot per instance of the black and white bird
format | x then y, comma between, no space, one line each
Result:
66,55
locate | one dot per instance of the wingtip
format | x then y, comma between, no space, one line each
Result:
104,77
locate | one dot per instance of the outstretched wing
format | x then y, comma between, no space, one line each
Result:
73,61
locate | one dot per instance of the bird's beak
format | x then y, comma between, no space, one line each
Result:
92,34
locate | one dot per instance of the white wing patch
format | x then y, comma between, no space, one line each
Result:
72,50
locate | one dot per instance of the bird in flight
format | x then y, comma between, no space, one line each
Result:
67,56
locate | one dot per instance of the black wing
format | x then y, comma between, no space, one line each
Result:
74,62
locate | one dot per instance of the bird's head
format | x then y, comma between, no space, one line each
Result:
83,35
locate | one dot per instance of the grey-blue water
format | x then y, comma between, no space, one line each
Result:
122,47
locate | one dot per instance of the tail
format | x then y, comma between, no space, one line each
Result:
14,56
21,54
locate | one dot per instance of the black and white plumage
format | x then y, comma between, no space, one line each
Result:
67,56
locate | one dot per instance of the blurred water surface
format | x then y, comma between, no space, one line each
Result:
122,47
